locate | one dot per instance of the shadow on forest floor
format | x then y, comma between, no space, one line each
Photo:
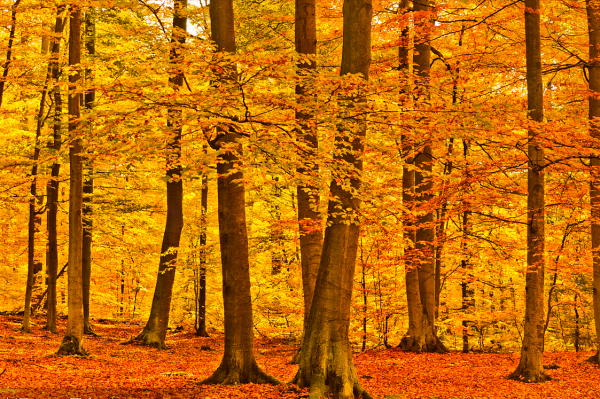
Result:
30,369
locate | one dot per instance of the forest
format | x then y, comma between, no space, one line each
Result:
289,199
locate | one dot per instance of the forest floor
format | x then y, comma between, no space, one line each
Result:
29,368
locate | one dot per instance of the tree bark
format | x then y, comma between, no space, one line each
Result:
326,363
52,189
72,343
593,15
238,365
530,368
309,218
88,183
467,291
11,38
34,219
201,304
155,331
424,257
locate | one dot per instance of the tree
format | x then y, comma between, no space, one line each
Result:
88,183
593,16
326,364
200,321
530,368
421,336
53,186
309,219
155,331
238,365
72,343
11,38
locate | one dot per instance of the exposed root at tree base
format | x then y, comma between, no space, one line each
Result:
415,345
321,388
70,346
88,330
147,338
595,358
227,374
296,358
202,333
526,375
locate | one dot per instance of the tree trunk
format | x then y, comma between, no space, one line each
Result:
423,261
88,183
309,219
34,219
326,363
52,189
72,343
201,304
530,368
593,14
11,38
155,331
238,365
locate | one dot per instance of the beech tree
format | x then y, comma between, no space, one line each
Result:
530,368
155,331
326,363
593,16
11,38
309,218
53,185
238,365
72,343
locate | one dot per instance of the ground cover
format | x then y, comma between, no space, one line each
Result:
30,369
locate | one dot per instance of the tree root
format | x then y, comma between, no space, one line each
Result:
415,345
296,358
594,358
147,338
526,375
70,346
88,330
228,374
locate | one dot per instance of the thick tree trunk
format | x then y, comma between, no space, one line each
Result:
72,343
326,363
155,331
238,365
201,304
593,14
11,38
52,189
530,368
88,184
309,219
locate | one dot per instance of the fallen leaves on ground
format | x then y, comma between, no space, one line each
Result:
32,370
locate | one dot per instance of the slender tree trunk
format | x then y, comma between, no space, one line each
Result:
11,39
326,363
72,343
424,237
309,219
530,368
201,305
238,365
467,291
277,255
155,332
52,189
593,14
88,183
34,219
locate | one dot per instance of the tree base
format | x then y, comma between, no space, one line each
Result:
88,330
595,358
296,358
202,333
70,346
527,375
228,374
53,330
148,338
419,345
